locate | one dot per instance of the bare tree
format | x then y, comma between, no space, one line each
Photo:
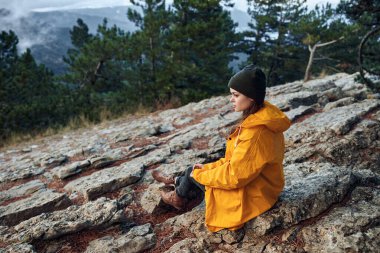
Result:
311,57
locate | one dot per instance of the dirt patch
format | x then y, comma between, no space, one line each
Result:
138,188
306,116
119,162
55,184
112,195
3,244
78,200
141,217
153,166
142,142
200,143
77,157
8,185
166,239
9,201
298,242
77,242
370,115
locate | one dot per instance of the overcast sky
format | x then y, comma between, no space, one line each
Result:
21,7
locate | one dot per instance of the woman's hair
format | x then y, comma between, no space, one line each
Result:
251,110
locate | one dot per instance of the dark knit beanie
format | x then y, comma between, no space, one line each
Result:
250,81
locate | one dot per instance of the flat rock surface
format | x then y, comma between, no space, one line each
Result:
350,228
138,239
94,214
19,248
43,201
22,190
91,190
106,180
71,169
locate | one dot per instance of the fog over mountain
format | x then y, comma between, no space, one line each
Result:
47,33
43,26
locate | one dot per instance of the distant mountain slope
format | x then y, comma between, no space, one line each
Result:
47,33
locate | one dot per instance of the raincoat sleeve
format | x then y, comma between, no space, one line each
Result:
247,161
215,164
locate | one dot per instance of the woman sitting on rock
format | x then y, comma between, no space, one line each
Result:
247,181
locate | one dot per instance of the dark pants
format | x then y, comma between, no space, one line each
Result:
186,186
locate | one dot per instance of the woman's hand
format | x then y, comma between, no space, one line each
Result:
196,166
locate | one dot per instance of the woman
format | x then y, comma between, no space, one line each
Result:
247,181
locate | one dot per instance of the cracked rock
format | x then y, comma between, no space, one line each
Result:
43,201
21,190
351,228
304,197
19,248
95,214
107,180
138,239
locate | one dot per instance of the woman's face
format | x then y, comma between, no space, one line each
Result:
239,101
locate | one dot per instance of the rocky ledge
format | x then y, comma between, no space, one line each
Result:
91,190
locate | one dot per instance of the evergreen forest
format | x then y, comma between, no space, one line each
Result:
180,53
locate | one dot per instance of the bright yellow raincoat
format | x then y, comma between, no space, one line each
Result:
248,180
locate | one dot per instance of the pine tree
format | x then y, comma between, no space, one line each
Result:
149,54
80,34
202,43
29,98
8,53
270,45
97,65
79,37
102,74
365,14
324,35
8,59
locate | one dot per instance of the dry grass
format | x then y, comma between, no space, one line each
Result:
323,73
166,105
75,123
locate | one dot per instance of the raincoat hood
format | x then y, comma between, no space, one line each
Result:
269,116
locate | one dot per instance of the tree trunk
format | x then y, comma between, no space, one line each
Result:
308,68
307,76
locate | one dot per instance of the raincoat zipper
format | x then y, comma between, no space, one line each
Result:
237,137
